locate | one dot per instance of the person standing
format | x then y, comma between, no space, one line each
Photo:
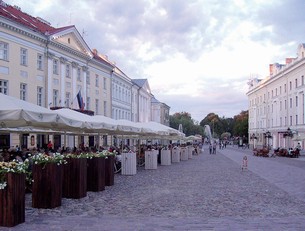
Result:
210,147
214,148
49,145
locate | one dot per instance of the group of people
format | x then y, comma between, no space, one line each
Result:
212,147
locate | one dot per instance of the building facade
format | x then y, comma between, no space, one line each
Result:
121,95
54,67
159,112
143,100
277,105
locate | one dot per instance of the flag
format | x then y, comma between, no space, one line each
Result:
80,101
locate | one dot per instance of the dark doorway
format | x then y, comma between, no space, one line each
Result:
4,141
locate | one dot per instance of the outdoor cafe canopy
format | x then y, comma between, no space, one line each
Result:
16,113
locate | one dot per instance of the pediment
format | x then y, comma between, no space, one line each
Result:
146,87
70,37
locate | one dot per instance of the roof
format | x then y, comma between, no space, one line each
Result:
154,100
101,59
139,82
38,24
14,13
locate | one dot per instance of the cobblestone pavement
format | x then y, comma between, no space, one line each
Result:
208,192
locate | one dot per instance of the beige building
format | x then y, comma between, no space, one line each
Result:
277,104
49,67
54,67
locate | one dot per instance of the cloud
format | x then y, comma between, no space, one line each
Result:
197,55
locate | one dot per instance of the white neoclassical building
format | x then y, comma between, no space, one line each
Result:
51,66
159,112
277,104
121,95
143,98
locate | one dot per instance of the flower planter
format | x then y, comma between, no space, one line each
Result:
109,170
165,157
96,174
47,185
12,200
190,150
151,159
184,154
129,163
176,155
75,178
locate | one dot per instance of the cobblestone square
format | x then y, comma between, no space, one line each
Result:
207,192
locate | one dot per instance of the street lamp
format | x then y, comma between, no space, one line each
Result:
288,134
268,136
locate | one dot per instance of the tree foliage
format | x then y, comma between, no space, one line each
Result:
188,124
221,127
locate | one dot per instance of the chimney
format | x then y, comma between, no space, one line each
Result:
270,69
289,60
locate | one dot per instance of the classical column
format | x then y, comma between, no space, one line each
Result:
63,62
48,81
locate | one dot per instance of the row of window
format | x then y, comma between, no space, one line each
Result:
121,114
282,123
121,94
261,112
278,91
78,74
4,55
56,97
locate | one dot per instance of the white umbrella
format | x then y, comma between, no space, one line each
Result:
19,113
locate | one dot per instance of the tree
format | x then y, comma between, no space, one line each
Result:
214,122
241,124
188,124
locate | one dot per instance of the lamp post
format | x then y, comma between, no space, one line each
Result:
268,136
288,134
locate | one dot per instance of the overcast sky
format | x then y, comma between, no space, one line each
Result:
196,54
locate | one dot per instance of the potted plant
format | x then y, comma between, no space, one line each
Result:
75,176
109,166
12,192
47,173
96,172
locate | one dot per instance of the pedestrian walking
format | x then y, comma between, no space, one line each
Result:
210,147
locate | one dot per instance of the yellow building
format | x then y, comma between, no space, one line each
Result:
49,67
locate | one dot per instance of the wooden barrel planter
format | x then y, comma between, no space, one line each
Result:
96,174
109,170
12,200
75,178
47,185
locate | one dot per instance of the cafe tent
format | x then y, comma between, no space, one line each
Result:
16,113
19,113
163,131
86,123
192,138
135,128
